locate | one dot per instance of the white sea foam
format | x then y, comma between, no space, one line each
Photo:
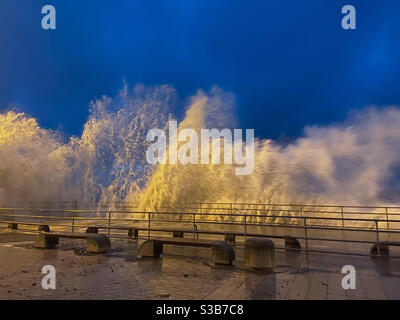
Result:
356,162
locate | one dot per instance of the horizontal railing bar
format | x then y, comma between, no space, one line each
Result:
243,204
280,204
276,204
220,214
294,226
210,214
53,210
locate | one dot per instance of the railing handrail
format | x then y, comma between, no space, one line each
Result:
239,204
190,214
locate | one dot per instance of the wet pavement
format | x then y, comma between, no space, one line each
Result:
184,273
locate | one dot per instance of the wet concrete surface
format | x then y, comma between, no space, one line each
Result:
184,273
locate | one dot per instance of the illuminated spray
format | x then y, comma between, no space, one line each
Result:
356,162
188,152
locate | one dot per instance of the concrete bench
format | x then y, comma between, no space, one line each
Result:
95,243
92,230
259,254
133,232
13,225
230,238
383,247
178,234
221,252
291,243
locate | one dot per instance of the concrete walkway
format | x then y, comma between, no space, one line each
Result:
184,273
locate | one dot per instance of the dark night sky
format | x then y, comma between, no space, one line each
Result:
288,62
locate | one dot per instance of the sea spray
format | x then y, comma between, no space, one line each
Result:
355,162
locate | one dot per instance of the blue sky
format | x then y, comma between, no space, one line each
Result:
289,62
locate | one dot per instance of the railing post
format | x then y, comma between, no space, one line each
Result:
377,238
12,215
109,223
194,225
73,224
245,226
341,210
149,225
305,232
387,218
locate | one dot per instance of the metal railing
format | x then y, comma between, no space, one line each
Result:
389,213
343,211
346,233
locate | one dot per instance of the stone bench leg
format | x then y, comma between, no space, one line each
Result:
177,234
259,253
230,238
222,253
292,243
133,233
97,243
151,249
46,241
13,226
383,249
